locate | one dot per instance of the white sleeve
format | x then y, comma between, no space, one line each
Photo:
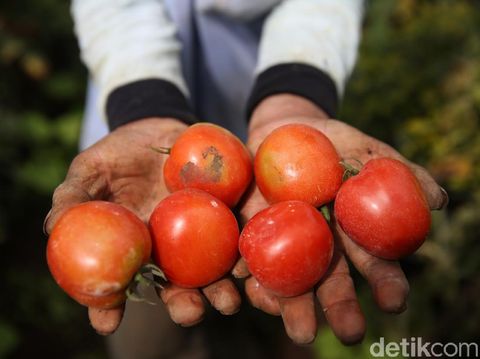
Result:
122,41
321,33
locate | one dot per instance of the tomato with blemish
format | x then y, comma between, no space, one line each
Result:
210,158
287,247
298,162
383,209
195,238
94,251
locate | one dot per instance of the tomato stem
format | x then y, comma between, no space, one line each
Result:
148,275
162,150
350,170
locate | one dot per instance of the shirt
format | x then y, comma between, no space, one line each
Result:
217,57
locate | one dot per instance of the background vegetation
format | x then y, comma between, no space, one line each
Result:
416,86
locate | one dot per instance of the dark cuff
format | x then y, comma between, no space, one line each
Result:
298,79
147,98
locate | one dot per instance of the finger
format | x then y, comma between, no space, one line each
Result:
261,298
83,183
105,321
223,296
252,203
336,294
299,318
386,278
240,270
185,306
437,197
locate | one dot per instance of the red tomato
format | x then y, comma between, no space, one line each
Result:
195,238
383,209
210,158
94,251
298,162
287,247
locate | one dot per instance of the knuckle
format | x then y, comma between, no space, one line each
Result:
340,303
58,193
336,278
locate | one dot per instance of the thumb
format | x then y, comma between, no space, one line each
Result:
65,196
105,321
83,183
437,197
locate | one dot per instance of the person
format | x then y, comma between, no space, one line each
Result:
158,66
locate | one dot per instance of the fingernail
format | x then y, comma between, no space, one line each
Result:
392,296
47,217
445,199
240,270
303,338
187,314
227,304
231,310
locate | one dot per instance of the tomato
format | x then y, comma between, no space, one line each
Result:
94,251
210,158
383,209
195,238
287,247
298,162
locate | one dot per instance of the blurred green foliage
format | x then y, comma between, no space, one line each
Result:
42,85
416,86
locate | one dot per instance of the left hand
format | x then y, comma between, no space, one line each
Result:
335,292
122,168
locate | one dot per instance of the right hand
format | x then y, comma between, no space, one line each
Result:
122,168
335,292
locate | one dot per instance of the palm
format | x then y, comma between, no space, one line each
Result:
121,168
132,170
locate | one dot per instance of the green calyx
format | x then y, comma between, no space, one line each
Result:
149,275
349,169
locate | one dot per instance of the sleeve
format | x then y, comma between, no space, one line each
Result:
131,50
308,48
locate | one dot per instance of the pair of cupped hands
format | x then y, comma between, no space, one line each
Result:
122,168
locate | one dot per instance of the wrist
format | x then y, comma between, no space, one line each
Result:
276,109
279,110
147,98
300,79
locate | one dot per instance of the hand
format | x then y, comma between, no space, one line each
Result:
335,292
122,168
